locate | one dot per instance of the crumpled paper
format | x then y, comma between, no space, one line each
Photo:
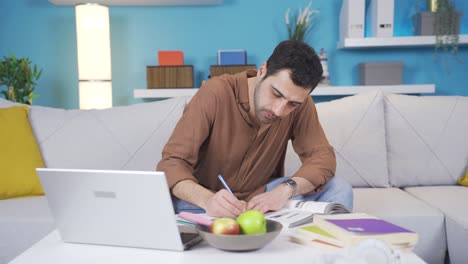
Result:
369,251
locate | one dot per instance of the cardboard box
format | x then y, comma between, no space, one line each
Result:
381,73
169,76
217,70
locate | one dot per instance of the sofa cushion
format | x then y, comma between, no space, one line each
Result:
23,222
6,103
354,126
451,200
19,156
401,208
426,139
123,138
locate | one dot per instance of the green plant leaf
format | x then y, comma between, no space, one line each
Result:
21,76
446,27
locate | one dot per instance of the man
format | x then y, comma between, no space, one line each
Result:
238,126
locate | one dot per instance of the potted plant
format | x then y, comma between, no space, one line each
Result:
441,20
299,24
446,26
19,77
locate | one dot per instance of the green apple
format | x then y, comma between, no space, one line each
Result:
252,222
225,226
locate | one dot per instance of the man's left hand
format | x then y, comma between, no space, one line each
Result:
270,201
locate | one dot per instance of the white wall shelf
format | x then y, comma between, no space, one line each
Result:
140,2
396,42
163,92
319,91
350,90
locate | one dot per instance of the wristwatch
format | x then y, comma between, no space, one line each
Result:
293,185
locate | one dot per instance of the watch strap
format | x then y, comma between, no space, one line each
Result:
293,185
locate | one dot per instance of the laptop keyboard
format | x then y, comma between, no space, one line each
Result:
186,237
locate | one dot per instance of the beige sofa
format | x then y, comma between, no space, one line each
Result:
403,155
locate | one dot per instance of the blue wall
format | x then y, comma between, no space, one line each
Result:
46,34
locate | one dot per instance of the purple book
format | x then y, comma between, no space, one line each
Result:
368,226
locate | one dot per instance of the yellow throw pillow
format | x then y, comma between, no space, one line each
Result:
464,180
19,154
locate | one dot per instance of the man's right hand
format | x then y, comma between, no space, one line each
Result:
224,204
220,204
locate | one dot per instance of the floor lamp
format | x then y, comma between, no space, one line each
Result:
94,56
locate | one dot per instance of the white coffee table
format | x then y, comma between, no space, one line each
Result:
51,250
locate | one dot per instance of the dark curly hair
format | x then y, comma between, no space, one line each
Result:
300,59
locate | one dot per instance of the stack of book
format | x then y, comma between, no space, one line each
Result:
347,230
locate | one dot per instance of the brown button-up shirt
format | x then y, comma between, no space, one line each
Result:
217,136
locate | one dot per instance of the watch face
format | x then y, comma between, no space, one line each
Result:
292,183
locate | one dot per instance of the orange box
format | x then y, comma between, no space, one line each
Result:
170,58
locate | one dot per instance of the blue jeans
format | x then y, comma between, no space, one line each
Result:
336,190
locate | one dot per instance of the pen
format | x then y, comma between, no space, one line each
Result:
224,183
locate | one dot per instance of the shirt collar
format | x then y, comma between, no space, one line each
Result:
242,95
243,88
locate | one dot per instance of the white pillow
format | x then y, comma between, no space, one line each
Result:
122,138
5,103
427,139
354,126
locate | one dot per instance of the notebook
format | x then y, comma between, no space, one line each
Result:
118,208
356,227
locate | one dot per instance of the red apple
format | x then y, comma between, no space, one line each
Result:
225,226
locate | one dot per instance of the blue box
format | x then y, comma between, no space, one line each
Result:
232,57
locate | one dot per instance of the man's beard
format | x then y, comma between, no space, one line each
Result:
259,113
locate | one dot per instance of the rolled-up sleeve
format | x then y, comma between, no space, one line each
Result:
311,145
180,154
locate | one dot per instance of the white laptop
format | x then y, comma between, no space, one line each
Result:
119,208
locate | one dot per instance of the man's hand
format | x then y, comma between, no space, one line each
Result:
270,201
220,204
224,204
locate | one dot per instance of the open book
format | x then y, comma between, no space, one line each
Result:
297,212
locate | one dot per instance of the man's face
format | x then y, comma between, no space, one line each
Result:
277,96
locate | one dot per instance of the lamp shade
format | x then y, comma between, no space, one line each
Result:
94,56
95,95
